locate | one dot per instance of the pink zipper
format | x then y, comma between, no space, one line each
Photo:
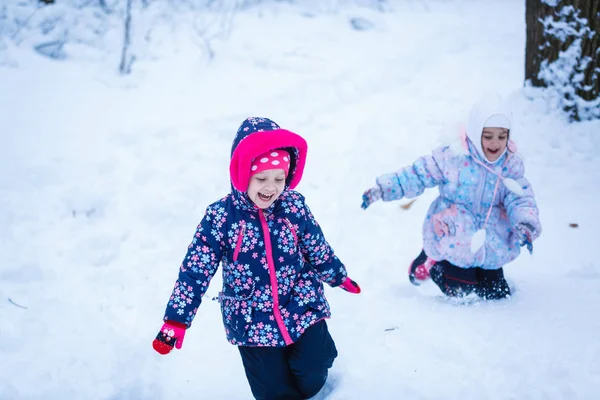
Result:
291,227
273,278
238,245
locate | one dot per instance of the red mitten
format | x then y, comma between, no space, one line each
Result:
171,334
350,286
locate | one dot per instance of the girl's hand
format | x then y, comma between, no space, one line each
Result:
350,286
526,231
370,196
171,334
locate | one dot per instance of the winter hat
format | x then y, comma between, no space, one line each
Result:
489,110
497,121
274,159
257,136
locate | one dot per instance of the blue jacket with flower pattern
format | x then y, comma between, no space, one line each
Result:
273,262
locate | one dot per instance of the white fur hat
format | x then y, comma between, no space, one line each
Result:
489,111
497,121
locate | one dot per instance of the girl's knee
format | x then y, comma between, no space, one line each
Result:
454,281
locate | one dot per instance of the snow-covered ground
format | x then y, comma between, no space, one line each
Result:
104,179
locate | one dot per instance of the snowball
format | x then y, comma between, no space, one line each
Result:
478,241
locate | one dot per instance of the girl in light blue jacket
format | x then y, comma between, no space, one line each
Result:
485,212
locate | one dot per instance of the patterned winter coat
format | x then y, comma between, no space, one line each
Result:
474,195
273,260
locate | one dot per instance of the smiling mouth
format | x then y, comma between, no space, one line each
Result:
493,151
264,197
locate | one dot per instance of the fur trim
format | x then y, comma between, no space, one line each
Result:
478,240
513,186
260,142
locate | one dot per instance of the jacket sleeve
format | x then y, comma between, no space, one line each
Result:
411,181
198,267
522,208
318,253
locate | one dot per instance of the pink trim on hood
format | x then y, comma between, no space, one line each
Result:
259,142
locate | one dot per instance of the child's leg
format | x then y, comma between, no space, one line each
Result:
311,357
452,280
268,373
492,285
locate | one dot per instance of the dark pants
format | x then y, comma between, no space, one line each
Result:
295,372
454,281
492,285
457,282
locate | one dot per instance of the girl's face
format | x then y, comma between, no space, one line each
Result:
266,186
493,142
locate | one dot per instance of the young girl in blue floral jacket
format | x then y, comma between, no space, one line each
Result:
274,259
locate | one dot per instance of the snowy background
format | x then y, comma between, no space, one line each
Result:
104,179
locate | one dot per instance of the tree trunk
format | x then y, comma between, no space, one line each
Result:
563,49
126,56
534,11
